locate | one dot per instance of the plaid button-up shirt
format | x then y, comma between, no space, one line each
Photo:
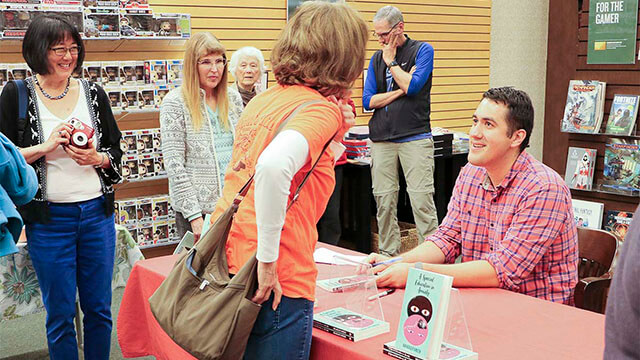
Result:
524,228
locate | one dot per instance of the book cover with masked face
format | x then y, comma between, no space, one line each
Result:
423,314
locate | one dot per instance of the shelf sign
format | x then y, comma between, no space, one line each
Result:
612,32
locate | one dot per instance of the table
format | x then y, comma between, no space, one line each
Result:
19,290
358,205
502,324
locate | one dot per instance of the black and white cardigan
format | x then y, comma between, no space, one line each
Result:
107,134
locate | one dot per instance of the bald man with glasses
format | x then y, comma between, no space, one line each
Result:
398,89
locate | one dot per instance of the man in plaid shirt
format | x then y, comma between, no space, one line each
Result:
510,216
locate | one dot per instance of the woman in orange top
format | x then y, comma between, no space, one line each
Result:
316,59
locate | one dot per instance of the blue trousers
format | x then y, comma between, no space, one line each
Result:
284,333
76,249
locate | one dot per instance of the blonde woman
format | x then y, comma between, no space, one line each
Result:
284,241
198,121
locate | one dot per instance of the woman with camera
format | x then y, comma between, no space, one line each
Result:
247,67
70,138
315,93
197,122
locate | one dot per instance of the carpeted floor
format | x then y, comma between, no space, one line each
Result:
25,339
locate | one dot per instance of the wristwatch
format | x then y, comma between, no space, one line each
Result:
393,63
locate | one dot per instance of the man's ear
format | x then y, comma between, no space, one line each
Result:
518,137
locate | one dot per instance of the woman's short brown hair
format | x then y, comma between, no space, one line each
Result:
322,46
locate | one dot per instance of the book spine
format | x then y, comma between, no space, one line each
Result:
333,330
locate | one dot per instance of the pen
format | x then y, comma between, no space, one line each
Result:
387,262
379,295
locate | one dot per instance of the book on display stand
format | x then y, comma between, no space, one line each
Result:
432,323
347,301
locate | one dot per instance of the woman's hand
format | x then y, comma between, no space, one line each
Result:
196,227
85,157
268,281
59,136
348,115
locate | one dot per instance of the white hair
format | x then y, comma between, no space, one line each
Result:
390,13
249,51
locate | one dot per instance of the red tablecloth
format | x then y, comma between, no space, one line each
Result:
502,325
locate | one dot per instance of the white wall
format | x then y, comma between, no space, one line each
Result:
519,54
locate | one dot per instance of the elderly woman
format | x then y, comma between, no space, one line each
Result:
197,122
247,67
69,224
318,90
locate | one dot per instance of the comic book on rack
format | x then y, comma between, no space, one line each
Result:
622,117
587,213
580,167
584,107
621,171
618,222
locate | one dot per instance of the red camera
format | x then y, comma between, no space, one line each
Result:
81,133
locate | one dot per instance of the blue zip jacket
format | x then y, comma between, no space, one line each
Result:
18,185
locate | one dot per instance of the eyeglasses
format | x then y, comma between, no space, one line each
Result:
207,63
376,35
62,51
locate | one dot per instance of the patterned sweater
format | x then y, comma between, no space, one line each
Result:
190,156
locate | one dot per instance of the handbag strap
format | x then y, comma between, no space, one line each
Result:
243,191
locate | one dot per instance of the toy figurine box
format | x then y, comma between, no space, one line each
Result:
160,206
146,166
115,97
130,98
128,212
92,71
136,23
160,92
144,210
70,10
160,232
146,97
157,140
156,71
159,165
134,4
130,137
4,75
18,71
16,18
146,137
111,73
175,26
174,72
130,167
103,23
128,73
114,4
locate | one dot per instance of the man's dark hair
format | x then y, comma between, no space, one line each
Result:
44,32
520,110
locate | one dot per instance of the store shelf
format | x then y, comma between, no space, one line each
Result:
109,45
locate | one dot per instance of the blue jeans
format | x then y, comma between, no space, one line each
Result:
75,249
284,333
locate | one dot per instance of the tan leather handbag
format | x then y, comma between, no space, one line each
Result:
198,305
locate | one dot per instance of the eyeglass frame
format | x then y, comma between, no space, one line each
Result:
66,49
385,34
222,61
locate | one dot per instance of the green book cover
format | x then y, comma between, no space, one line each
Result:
612,32
423,313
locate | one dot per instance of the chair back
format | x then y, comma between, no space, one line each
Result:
596,250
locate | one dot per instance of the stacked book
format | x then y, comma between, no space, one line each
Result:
584,109
357,144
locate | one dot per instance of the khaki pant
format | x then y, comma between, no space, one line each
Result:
416,158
